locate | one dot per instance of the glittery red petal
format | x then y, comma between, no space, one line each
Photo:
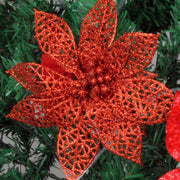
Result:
36,110
37,78
143,100
122,138
55,38
172,175
133,52
77,146
97,32
173,130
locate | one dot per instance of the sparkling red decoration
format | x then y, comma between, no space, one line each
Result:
172,175
96,90
173,129
173,138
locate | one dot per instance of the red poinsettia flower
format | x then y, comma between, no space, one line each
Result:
96,90
173,138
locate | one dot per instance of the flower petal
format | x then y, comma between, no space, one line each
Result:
133,52
97,32
37,110
173,130
142,100
77,146
55,38
37,78
52,108
171,175
122,138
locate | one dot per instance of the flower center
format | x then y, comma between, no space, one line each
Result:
96,83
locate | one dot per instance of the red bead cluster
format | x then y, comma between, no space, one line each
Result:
95,83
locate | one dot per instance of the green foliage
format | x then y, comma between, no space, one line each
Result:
18,152
113,167
168,66
150,15
124,24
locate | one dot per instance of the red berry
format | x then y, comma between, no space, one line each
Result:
93,81
107,78
96,89
91,73
94,92
78,85
100,79
84,83
82,93
104,89
98,70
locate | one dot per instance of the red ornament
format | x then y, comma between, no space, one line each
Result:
173,129
173,138
129,99
172,175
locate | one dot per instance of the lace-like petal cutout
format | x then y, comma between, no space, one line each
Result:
133,52
36,110
97,33
37,78
55,38
77,146
173,129
144,100
122,138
